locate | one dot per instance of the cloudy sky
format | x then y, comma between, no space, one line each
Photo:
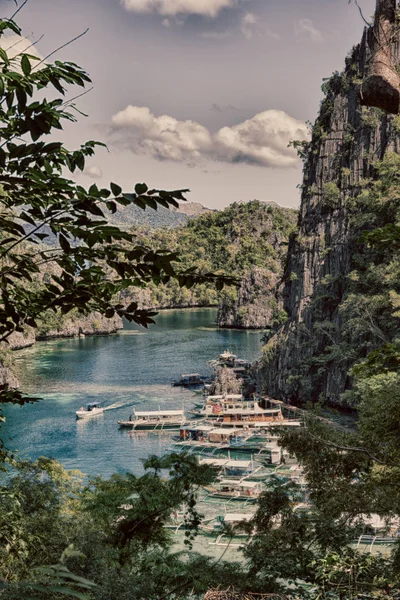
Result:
204,94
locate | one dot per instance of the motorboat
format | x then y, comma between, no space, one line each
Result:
92,409
190,379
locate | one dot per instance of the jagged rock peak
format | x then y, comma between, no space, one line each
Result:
381,87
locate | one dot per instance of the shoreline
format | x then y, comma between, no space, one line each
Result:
116,331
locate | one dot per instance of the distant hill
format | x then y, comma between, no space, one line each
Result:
247,240
130,216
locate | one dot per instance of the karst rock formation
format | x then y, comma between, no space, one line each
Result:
349,137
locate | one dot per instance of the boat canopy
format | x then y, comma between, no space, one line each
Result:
185,375
160,413
225,431
227,354
215,462
92,404
243,484
235,517
243,464
256,410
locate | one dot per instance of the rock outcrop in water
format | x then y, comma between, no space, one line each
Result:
255,305
310,356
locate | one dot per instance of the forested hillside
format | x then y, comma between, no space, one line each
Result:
247,240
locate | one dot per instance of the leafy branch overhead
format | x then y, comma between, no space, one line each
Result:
92,261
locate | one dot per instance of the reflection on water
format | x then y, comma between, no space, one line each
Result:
129,369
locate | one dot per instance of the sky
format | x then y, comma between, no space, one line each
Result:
198,94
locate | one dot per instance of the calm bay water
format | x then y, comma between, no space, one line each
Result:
133,368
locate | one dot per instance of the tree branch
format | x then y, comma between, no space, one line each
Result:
60,47
352,449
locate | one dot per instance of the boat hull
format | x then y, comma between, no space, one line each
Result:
86,414
150,426
229,496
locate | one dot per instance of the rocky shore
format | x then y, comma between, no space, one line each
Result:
93,324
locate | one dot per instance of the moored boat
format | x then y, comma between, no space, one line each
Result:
156,420
233,469
233,411
230,489
190,379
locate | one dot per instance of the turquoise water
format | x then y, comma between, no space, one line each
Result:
133,368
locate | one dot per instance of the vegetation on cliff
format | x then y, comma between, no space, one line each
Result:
245,240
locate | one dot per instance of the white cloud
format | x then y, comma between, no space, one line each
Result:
248,22
206,8
305,28
94,172
262,140
163,137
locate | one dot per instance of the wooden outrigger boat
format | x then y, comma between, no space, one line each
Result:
233,469
233,411
229,519
156,420
230,489
214,405
206,438
202,435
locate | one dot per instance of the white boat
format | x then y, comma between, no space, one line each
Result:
231,489
232,469
92,409
156,420
233,411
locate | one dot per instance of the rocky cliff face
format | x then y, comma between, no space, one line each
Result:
255,305
309,357
93,324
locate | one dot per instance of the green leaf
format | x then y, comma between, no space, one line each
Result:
26,65
4,57
116,189
141,188
3,157
64,243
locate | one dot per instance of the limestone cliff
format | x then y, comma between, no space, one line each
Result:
262,236
310,356
255,304
78,325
